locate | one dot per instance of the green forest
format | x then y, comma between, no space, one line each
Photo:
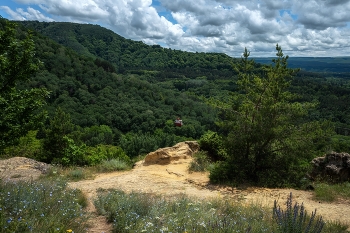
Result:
78,94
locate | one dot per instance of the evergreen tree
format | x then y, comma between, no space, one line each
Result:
267,139
55,140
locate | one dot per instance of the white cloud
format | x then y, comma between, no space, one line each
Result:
30,14
310,27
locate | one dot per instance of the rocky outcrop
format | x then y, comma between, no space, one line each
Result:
21,168
334,166
166,155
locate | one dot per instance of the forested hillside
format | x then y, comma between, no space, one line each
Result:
127,55
108,90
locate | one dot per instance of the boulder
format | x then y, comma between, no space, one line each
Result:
334,166
166,155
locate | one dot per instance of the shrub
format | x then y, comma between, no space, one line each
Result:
95,155
113,165
200,162
212,143
29,146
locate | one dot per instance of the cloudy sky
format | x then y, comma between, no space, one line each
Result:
302,27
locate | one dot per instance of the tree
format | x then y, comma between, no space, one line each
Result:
55,141
266,137
19,108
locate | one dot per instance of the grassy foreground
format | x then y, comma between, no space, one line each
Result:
47,205
139,212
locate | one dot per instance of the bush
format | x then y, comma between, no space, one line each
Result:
212,143
200,162
29,146
219,172
95,155
113,165
340,143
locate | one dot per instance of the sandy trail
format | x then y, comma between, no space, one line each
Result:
174,179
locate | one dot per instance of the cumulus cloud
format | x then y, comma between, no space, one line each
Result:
302,28
29,14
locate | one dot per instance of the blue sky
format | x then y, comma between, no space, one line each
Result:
302,28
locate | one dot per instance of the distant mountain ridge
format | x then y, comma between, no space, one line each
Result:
314,64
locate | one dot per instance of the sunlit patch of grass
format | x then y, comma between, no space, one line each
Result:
113,165
336,226
69,173
43,206
332,192
200,162
140,212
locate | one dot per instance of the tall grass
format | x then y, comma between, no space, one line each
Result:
139,212
44,206
113,165
332,192
200,162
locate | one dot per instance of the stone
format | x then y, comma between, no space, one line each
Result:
181,150
333,166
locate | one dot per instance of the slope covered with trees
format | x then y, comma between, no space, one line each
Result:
127,55
112,97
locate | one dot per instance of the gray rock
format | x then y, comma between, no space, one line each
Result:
333,166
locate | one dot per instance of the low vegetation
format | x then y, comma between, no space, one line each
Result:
332,192
45,206
200,163
48,204
139,212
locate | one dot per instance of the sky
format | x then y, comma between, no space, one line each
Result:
311,28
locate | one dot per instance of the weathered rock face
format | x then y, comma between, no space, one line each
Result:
21,168
334,166
166,155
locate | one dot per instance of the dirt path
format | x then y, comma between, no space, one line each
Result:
174,179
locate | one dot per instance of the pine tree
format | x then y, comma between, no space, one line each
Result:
267,139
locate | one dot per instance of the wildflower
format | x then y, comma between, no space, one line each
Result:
149,224
70,231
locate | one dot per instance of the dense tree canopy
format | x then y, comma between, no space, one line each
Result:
19,108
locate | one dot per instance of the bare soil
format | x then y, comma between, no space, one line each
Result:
175,179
